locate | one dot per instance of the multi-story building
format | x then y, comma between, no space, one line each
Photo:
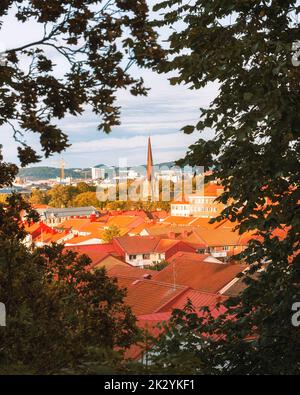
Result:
98,173
199,204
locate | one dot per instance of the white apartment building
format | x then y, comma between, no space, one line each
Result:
199,205
98,173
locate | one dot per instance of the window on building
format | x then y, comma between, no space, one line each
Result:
132,257
225,248
146,256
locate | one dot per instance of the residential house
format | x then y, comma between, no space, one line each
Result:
40,234
97,253
148,250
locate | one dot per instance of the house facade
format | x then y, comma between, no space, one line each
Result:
143,251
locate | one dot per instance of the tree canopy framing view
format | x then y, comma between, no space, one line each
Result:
247,48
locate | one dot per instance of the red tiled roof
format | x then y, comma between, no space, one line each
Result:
137,213
178,220
212,189
155,317
198,299
159,214
109,262
196,271
137,229
128,271
74,223
157,229
220,237
49,237
137,244
147,244
165,244
91,239
96,252
204,223
147,296
192,237
125,221
149,322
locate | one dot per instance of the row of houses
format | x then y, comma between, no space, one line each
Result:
151,239
199,258
152,295
199,263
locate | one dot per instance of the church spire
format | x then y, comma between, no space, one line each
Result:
149,161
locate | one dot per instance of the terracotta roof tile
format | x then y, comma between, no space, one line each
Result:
93,239
75,223
165,244
137,230
220,237
146,244
137,244
159,214
147,296
199,299
125,221
129,271
109,262
198,272
178,220
96,252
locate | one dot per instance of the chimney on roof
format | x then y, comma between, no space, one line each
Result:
147,276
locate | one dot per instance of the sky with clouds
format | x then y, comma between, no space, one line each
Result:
160,115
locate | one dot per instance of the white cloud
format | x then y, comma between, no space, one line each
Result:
161,114
166,141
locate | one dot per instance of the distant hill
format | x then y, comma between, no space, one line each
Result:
46,173
165,164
